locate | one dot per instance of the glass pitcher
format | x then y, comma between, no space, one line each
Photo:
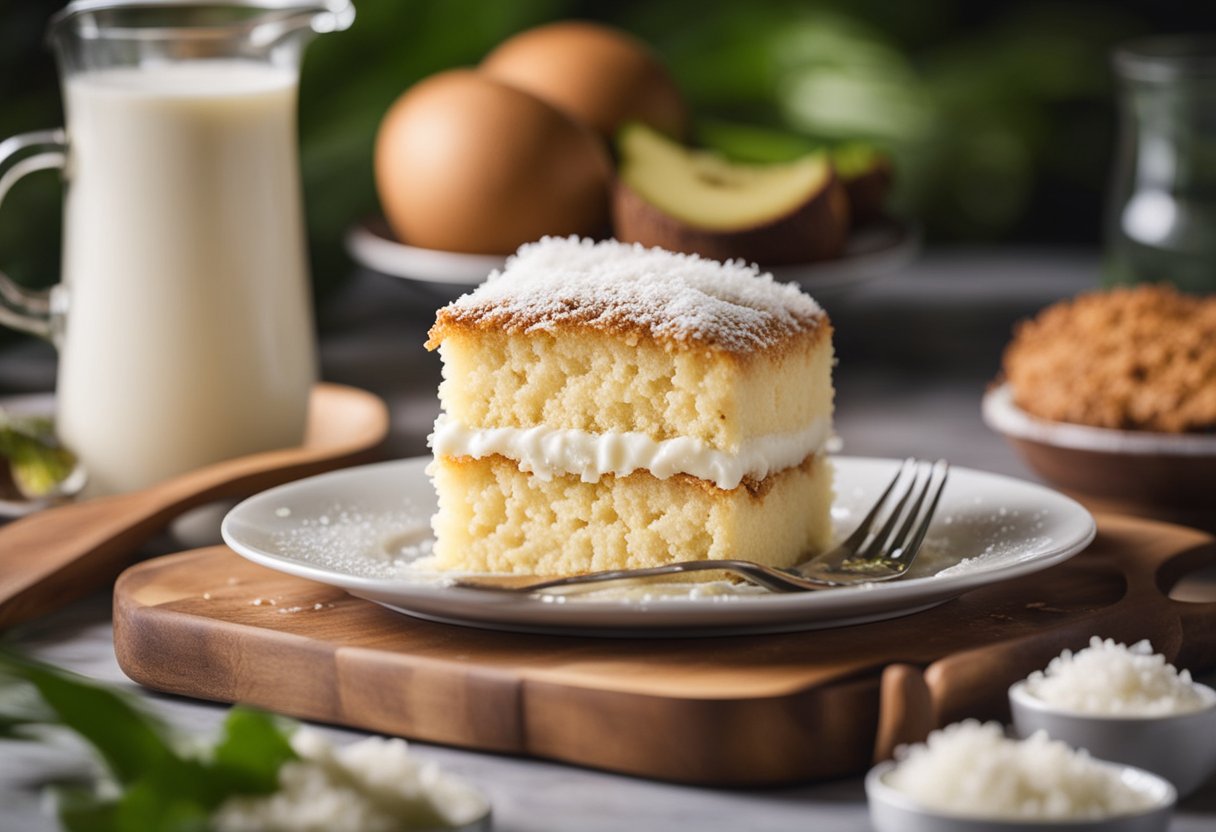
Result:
183,317
1161,220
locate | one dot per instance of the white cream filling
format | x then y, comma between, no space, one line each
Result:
547,452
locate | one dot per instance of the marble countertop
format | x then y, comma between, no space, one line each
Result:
916,352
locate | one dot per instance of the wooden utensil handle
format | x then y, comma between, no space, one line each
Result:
59,555
974,684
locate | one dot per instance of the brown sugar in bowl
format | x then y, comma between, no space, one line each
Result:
1111,396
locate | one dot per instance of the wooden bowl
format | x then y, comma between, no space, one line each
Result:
1162,476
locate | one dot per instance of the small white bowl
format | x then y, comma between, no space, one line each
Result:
1179,747
893,811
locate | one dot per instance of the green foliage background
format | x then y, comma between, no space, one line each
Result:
1001,123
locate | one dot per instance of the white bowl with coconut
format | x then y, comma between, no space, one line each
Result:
1125,705
970,777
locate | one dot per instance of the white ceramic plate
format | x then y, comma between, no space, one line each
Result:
367,531
876,251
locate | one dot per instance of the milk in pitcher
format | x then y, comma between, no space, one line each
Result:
188,336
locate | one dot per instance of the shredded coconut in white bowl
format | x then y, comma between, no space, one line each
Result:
1113,679
373,785
971,769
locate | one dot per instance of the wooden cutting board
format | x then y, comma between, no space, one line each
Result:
754,710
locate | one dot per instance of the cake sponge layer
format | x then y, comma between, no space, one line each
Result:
599,382
495,518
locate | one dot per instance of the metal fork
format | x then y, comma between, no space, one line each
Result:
905,509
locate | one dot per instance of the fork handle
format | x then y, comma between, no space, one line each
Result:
743,569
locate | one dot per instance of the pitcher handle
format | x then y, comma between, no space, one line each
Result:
24,309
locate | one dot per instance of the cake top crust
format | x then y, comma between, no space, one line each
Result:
623,288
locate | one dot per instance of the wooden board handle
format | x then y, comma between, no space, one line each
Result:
905,709
975,683
1196,618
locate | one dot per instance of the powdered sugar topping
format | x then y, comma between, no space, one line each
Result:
620,286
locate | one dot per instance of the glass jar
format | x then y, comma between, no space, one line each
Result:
1161,220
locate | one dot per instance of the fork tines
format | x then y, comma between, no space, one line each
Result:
903,512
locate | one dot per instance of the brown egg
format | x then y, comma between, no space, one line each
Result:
464,163
600,75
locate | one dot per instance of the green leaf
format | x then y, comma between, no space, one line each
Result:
161,790
248,757
158,804
752,143
149,805
21,708
852,159
131,742
81,810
